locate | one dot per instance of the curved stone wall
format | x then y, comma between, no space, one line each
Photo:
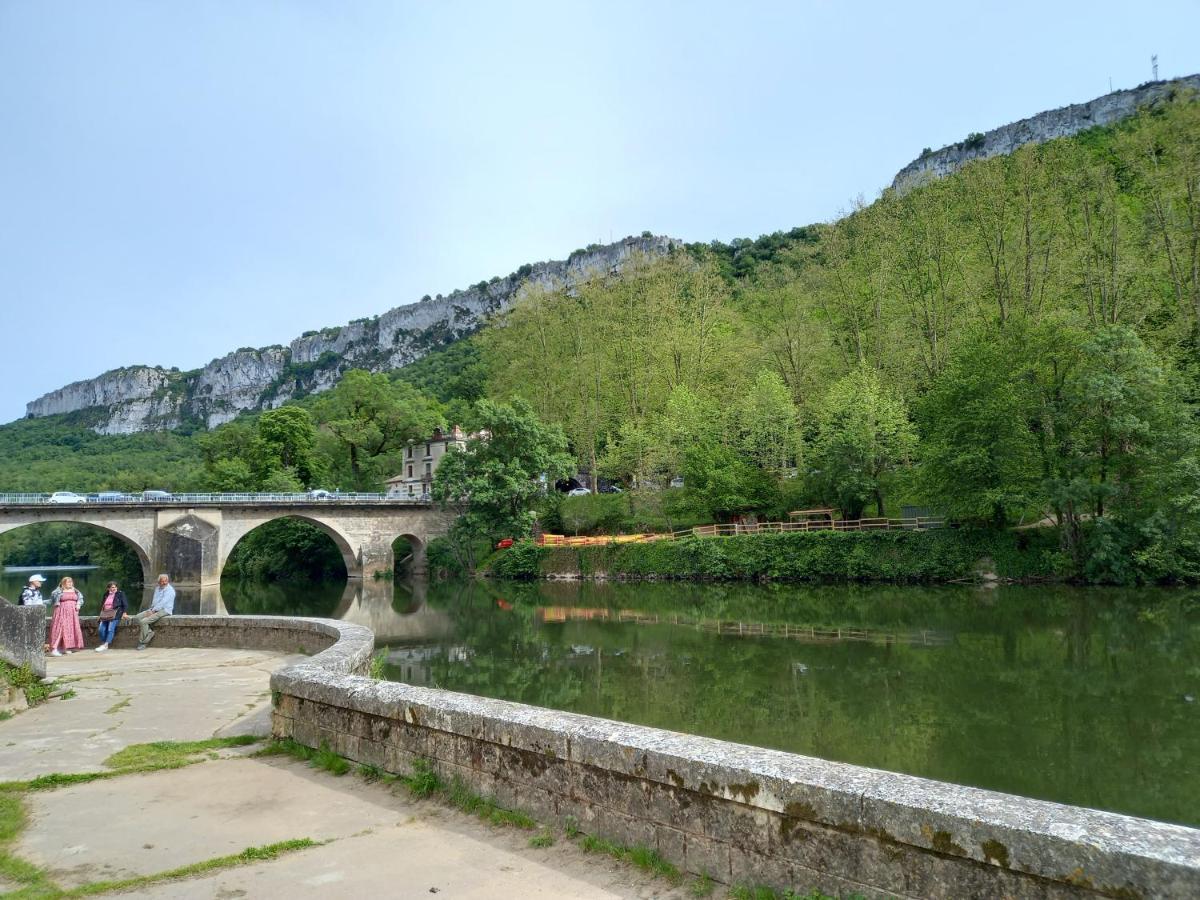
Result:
739,814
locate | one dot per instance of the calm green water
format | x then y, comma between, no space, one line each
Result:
1084,696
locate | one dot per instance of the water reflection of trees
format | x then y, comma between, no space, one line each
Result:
1070,694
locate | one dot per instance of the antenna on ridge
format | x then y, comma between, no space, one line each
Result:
1154,65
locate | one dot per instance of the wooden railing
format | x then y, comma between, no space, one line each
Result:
738,529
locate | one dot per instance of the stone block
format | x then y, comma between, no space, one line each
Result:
680,809
614,790
22,636
704,856
739,826
621,829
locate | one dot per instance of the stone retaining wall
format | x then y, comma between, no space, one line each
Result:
23,635
338,647
739,814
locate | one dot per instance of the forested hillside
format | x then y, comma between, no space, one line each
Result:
1013,343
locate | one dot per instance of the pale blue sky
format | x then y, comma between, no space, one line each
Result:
181,179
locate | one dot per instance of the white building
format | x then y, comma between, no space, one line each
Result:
420,462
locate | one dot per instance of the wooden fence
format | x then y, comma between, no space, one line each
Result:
738,529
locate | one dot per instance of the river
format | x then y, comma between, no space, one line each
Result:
1081,695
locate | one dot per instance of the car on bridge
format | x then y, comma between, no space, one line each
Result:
66,497
157,496
110,497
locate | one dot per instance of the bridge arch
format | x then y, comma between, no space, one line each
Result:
342,541
131,540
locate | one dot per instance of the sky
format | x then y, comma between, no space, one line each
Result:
178,180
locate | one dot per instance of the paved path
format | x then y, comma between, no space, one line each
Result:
380,841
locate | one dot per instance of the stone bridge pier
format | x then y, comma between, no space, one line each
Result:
193,543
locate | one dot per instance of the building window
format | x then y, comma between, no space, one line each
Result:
410,471
427,448
410,452
410,490
428,468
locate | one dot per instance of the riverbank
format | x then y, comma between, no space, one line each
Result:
937,556
200,815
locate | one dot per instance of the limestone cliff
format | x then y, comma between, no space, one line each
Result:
1045,126
146,398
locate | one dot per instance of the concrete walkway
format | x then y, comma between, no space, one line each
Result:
380,840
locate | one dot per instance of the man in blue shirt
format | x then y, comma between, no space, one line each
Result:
161,606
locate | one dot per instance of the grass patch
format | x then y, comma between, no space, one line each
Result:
468,801
702,886
287,747
541,841
117,707
643,857
22,678
423,782
32,880
68,695
572,828
378,662
172,754
6,714
329,761
134,759
248,856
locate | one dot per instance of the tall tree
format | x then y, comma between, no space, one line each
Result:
371,418
497,480
863,435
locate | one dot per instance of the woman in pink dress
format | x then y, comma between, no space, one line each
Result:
64,627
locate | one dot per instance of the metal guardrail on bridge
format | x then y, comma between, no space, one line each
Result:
162,498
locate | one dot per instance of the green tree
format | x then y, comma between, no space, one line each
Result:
498,479
285,442
979,458
371,418
863,435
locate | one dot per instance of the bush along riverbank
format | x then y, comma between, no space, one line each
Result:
892,556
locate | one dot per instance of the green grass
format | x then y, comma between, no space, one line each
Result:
6,714
287,747
643,857
117,707
171,754
424,782
249,856
378,664
702,886
329,761
134,759
541,841
22,677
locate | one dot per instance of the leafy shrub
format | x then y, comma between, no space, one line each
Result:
894,556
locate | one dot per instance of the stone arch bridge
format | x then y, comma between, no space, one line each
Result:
192,541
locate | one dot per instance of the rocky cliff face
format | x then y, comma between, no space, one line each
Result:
147,398
1045,126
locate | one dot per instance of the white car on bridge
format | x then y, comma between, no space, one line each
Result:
67,497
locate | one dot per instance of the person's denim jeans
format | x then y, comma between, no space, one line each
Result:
108,630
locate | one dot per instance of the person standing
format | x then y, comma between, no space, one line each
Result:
112,611
31,594
64,627
161,606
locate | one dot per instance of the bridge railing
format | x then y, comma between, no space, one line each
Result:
114,499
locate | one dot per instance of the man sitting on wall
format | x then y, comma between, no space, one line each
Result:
161,606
